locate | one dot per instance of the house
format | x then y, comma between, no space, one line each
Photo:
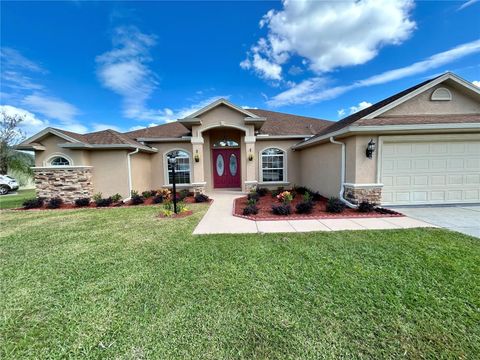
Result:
420,146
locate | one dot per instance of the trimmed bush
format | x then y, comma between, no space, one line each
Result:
116,198
250,210
33,203
253,196
103,202
184,194
301,190
136,199
54,203
147,194
158,199
281,209
335,205
82,202
316,196
199,198
252,201
97,196
262,191
304,207
366,207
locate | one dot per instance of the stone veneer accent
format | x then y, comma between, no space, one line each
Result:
68,183
358,193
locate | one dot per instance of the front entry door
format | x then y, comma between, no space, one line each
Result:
226,168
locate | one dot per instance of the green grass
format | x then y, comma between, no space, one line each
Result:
121,283
14,201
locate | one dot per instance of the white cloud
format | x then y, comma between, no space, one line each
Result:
315,90
11,57
361,105
124,70
328,35
476,83
51,107
467,4
341,113
30,124
100,127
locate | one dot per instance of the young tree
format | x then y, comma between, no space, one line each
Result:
10,135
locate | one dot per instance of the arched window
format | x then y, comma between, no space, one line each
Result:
225,143
182,168
272,165
59,161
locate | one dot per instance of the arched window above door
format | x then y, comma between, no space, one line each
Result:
225,143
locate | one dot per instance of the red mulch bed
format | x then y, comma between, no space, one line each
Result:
147,202
265,203
177,216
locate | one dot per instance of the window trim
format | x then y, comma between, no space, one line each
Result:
166,179
260,165
48,161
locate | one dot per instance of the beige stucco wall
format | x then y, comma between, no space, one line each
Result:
110,172
461,103
222,116
293,173
320,168
79,157
157,169
141,165
359,168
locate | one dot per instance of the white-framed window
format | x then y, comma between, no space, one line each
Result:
225,143
182,168
272,165
59,161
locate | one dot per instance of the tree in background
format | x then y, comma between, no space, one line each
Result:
12,160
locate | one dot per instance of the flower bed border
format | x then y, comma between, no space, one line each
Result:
372,215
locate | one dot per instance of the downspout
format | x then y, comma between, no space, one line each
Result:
129,166
342,175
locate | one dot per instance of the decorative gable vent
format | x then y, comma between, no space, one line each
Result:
441,94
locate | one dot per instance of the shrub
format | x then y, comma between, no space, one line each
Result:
301,190
158,199
304,207
307,197
97,196
33,203
366,206
316,196
103,202
262,191
253,196
147,194
154,192
184,194
199,198
285,197
54,203
250,210
282,209
116,198
168,205
277,191
136,199
335,205
252,201
81,202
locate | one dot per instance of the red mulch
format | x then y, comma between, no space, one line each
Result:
147,202
265,203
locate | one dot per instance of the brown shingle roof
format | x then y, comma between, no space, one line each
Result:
420,119
278,123
169,130
349,120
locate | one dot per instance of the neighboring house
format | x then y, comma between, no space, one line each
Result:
424,149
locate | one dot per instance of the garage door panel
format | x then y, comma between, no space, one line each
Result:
430,172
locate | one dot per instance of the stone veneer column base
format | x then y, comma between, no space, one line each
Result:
67,183
356,193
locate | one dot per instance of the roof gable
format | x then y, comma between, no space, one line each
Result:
220,102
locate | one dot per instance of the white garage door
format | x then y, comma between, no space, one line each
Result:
433,172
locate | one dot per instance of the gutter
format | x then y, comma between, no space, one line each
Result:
342,175
129,167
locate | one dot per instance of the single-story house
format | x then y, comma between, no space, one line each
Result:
420,146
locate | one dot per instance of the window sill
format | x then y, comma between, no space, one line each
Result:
178,185
274,183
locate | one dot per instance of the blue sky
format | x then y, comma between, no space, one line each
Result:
87,66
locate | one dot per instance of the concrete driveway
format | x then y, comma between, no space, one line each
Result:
461,218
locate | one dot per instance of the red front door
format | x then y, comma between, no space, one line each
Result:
226,168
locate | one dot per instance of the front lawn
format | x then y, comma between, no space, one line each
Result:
121,283
13,200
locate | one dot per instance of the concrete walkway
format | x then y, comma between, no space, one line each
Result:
219,220
461,218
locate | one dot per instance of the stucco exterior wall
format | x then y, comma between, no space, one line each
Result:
110,172
320,168
293,173
461,103
222,116
157,167
360,169
141,166
79,157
